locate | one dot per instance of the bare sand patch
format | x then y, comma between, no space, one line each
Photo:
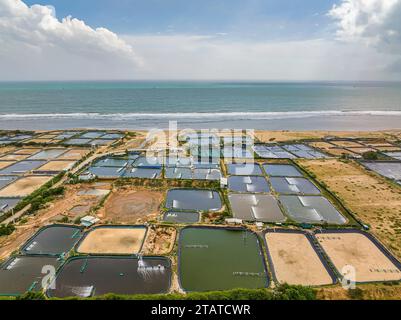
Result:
338,152
347,144
57,166
357,250
4,164
370,197
24,186
126,205
4,150
14,157
74,154
321,145
44,141
282,136
295,260
159,240
27,151
113,240
361,150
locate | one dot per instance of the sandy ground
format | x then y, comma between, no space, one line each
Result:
28,151
127,205
159,240
60,206
4,164
113,241
388,148
347,144
57,166
4,150
24,186
361,150
74,154
15,157
369,292
338,152
368,195
295,261
356,250
281,136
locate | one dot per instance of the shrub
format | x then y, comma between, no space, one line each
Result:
6,230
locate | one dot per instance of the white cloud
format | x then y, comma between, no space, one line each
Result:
208,57
35,44
375,22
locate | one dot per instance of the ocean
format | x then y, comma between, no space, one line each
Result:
244,105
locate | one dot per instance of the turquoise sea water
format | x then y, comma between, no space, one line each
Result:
149,104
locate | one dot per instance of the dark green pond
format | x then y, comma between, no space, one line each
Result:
220,259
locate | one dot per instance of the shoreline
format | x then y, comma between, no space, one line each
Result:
368,122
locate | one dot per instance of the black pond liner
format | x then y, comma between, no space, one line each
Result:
181,217
376,242
20,274
78,244
193,199
100,275
315,247
53,240
219,267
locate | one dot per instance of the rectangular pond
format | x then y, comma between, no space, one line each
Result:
287,185
244,169
106,172
112,162
53,240
281,170
394,155
24,273
193,199
47,154
206,174
94,276
115,240
255,207
311,209
220,259
178,173
249,184
295,260
92,135
371,260
272,152
22,167
144,173
391,170
181,217
7,204
77,142
5,180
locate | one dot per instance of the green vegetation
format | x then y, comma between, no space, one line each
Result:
370,155
283,292
6,230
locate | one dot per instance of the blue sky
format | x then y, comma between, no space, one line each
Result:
262,19
200,39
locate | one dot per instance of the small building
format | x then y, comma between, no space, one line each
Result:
89,221
233,221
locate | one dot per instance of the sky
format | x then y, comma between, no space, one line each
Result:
283,40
